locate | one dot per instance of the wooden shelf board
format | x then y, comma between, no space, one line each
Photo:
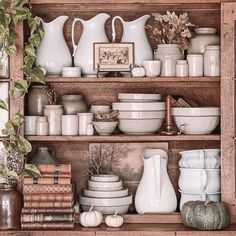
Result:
125,138
131,79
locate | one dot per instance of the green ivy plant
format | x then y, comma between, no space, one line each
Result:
16,146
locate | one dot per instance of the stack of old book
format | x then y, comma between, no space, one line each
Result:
49,200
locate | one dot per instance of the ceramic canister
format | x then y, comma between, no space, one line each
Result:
30,125
182,68
84,120
70,125
212,61
195,62
42,126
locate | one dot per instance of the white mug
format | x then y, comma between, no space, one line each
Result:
30,125
152,68
84,120
70,125
199,180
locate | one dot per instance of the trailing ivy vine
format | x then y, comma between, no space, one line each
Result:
11,13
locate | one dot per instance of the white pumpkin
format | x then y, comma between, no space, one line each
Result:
138,71
114,220
91,218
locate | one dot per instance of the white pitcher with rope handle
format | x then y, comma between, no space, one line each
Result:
155,192
93,32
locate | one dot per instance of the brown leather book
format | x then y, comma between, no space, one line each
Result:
47,210
44,197
54,169
47,188
50,180
50,225
33,218
48,204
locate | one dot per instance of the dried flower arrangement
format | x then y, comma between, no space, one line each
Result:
171,29
52,96
113,116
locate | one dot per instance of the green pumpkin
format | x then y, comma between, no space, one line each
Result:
205,215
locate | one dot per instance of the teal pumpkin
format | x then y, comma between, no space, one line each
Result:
205,215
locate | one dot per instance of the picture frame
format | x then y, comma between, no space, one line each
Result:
113,56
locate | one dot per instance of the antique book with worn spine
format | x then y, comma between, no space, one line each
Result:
33,218
60,204
46,180
48,225
46,188
61,170
45,197
47,210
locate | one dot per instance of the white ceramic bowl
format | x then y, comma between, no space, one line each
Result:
195,111
105,178
105,188
202,158
71,72
142,126
95,184
187,196
141,114
105,127
139,97
139,106
101,108
105,194
196,124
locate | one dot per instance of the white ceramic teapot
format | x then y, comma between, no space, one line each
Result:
93,32
155,192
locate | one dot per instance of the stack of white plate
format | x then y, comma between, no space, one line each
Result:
140,113
107,194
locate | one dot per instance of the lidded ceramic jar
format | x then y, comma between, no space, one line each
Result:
73,104
10,207
42,126
169,54
37,99
182,68
44,156
212,61
204,37
54,117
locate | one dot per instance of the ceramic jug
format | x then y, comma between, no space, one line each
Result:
134,31
53,53
155,192
93,31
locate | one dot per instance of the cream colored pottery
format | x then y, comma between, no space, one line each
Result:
105,127
140,97
212,61
152,68
70,125
105,194
53,53
168,54
134,31
155,192
42,126
93,32
195,64
105,178
204,37
30,125
139,106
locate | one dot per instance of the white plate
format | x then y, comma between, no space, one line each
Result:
139,106
139,96
141,114
105,178
196,111
106,188
105,194
96,184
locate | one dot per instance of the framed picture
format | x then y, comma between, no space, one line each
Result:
113,56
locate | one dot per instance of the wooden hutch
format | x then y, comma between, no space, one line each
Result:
211,91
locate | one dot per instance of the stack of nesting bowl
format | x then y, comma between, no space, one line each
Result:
140,113
107,194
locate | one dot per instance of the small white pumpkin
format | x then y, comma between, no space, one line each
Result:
91,218
114,220
138,71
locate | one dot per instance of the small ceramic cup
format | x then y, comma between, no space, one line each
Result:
71,72
152,68
70,125
30,125
84,120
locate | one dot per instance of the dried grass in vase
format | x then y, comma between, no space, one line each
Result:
171,29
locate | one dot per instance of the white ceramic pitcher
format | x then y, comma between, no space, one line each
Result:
53,53
93,32
134,31
155,192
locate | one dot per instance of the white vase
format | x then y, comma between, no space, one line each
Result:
53,53
93,32
155,192
134,31
169,54
204,37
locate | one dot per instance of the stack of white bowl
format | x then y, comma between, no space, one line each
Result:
196,120
107,194
140,113
199,175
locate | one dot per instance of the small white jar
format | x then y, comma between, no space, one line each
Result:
182,68
212,61
42,126
195,64
71,72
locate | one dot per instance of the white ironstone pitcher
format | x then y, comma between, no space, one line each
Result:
93,32
134,31
155,192
53,53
